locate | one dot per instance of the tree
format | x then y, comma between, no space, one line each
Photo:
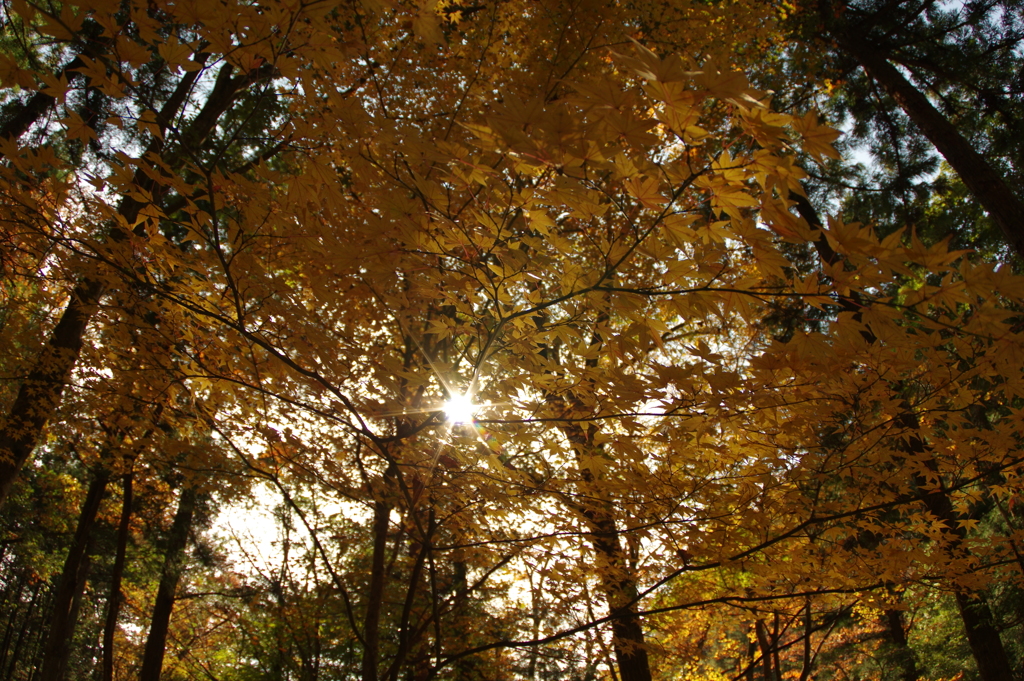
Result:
317,223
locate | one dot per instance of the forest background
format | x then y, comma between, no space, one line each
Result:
738,406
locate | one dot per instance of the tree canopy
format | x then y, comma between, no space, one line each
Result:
534,339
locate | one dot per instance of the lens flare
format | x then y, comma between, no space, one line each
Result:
460,409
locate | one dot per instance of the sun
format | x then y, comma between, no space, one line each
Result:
460,408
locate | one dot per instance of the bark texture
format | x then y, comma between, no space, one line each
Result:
68,592
117,572
174,564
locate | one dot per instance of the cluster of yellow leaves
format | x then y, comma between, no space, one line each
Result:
599,255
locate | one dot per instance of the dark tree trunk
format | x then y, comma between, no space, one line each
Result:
620,591
174,564
987,647
613,569
375,594
904,656
618,583
808,658
69,588
407,632
766,650
40,392
114,599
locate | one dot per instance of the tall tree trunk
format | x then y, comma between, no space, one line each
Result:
114,599
620,591
407,631
375,593
618,584
71,584
170,575
40,392
982,636
993,663
984,181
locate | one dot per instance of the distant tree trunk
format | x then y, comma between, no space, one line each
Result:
174,564
897,634
23,616
12,596
465,669
766,649
69,588
375,592
114,599
984,181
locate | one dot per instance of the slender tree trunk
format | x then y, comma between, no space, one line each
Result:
752,665
776,643
766,650
114,599
407,632
14,651
12,597
808,658
70,586
984,181
897,634
465,669
375,594
174,564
